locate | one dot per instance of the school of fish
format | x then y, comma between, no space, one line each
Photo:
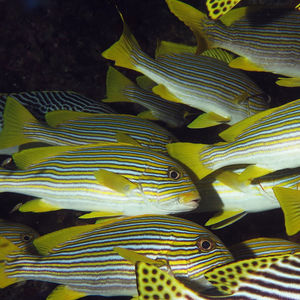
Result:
130,173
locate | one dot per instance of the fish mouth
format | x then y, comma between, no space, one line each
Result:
190,199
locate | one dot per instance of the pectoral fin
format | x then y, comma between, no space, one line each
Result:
245,64
63,292
38,205
252,172
288,82
127,139
163,92
225,218
207,120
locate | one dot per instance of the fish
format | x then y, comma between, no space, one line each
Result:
41,102
121,89
108,179
272,46
289,200
79,128
88,259
218,8
226,95
269,277
19,234
267,142
232,204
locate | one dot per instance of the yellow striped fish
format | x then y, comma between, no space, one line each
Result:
120,89
79,128
203,82
111,179
85,260
233,204
19,234
273,46
272,277
268,141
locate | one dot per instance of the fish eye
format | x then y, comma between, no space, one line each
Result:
174,173
26,237
206,244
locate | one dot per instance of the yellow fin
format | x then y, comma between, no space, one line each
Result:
245,64
215,10
44,244
15,117
288,82
234,15
121,51
134,257
207,120
163,92
219,54
289,201
193,18
145,82
101,214
116,83
126,139
58,117
189,154
252,172
165,48
37,205
63,292
115,181
148,115
232,180
225,218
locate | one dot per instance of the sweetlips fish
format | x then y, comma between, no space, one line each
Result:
19,234
79,128
206,83
273,46
93,259
220,194
217,8
121,89
269,277
268,141
108,179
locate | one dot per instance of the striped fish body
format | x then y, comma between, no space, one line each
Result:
74,128
88,264
273,46
273,277
270,140
119,178
19,234
199,81
41,102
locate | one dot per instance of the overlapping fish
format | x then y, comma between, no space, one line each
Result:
273,46
268,141
113,179
79,128
271,277
232,204
85,260
203,82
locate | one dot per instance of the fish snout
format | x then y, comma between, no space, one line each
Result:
190,199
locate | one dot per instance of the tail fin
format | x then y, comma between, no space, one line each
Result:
14,118
190,154
121,51
116,83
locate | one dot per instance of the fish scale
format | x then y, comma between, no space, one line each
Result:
102,270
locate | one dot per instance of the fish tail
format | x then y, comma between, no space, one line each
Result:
190,155
125,50
15,118
194,19
116,83
6,248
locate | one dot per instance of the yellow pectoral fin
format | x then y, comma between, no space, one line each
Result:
245,64
163,92
148,115
252,172
225,218
38,205
115,181
288,82
134,257
289,201
126,139
63,292
232,180
101,214
207,120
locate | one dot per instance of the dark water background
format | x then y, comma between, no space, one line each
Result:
57,45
